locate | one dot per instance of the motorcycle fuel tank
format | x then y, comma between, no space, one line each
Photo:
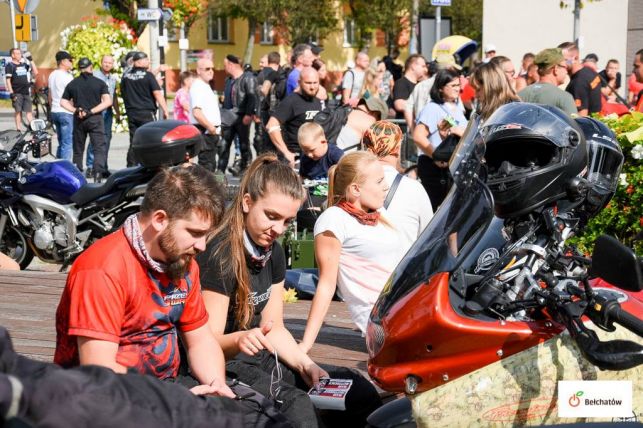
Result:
56,180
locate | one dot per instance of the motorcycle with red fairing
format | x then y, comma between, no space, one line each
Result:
491,307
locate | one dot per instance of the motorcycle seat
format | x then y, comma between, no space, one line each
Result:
93,191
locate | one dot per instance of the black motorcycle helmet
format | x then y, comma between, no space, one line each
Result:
534,154
603,167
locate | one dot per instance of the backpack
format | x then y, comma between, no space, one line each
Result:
278,89
333,120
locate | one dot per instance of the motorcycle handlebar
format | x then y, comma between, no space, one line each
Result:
620,316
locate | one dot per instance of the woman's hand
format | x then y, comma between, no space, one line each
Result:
444,129
217,388
252,341
305,347
311,373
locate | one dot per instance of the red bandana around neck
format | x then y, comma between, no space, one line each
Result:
368,219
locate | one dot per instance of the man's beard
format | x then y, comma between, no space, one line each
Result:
176,265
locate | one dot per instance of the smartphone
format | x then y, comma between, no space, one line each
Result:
450,120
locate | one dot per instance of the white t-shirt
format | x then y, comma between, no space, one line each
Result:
201,96
347,137
410,209
368,256
353,80
432,114
58,80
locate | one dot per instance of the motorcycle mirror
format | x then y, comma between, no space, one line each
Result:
38,125
616,264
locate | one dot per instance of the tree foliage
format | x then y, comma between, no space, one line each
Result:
255,12
308,20
387,15
466,16
184,12
295,21
124,10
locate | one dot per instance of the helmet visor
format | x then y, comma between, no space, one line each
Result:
604,166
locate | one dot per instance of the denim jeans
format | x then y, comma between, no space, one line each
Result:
108,119
64,123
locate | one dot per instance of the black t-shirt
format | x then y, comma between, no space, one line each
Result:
606,79
293,112
137,87
85,91
213,278
18,74
402,91
269,75
585,87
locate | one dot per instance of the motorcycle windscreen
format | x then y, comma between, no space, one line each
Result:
453,231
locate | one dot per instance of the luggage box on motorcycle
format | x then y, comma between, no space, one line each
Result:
165,143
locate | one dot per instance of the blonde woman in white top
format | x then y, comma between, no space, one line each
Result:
355,247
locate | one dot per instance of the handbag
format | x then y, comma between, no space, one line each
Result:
229,117
446,148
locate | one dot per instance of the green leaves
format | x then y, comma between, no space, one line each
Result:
623,216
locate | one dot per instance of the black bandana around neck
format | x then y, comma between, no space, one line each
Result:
256,256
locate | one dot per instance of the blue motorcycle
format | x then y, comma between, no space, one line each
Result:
48,210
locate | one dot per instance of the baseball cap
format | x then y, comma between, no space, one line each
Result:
446,61
139,55
548,58
316,49
84,62
376,104
490,48
60,55
591,57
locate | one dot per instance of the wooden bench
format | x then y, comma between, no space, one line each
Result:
30,298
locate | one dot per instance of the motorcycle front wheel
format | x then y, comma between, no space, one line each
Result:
14,244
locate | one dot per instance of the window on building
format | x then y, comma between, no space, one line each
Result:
218,28
267,34
350,38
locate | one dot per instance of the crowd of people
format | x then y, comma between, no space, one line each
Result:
191,291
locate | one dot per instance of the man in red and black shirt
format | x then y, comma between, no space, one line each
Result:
131,293
585,84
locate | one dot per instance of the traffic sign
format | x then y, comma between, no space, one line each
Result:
26,6
23,27
440,2
149,14
167,14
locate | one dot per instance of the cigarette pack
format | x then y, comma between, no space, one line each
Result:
330,393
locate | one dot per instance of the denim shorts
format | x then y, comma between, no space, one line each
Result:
22,102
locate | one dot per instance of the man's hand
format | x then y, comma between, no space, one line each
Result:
352,102
217,388
290,157
246,119
252,341
311,374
